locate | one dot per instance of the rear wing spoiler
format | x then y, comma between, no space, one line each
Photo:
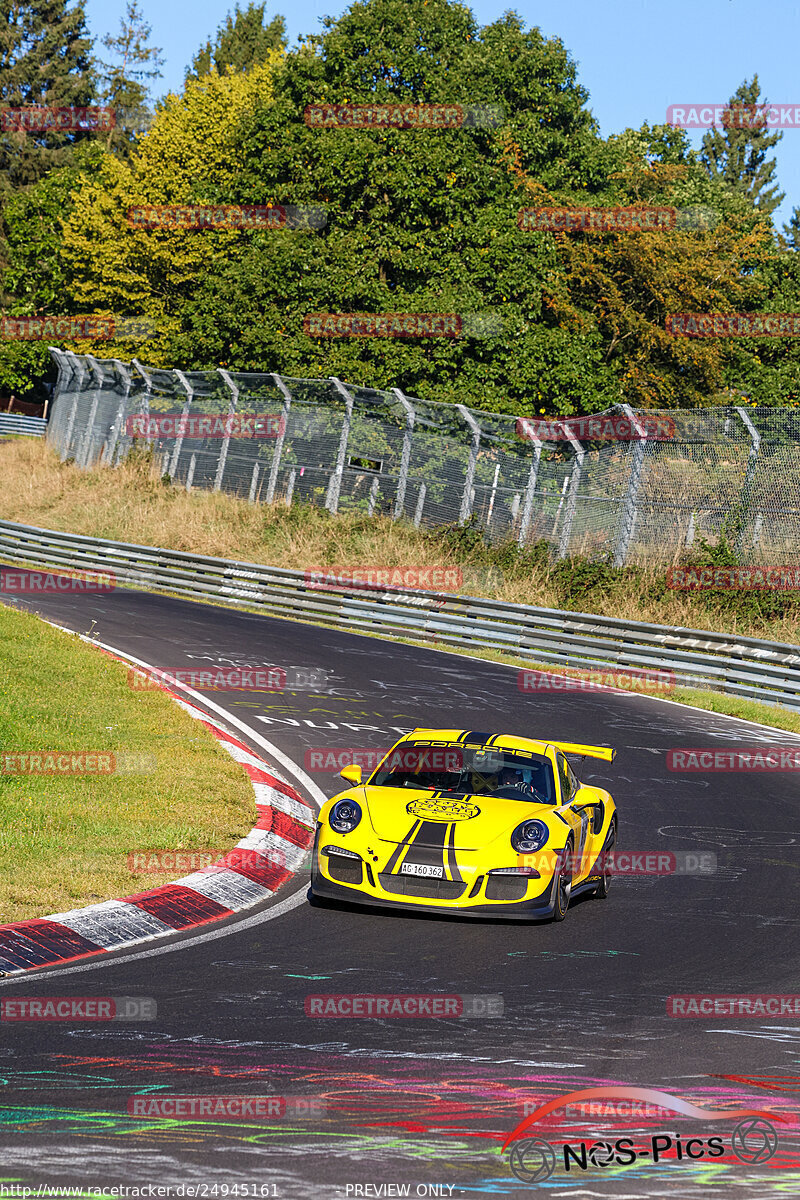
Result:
604,752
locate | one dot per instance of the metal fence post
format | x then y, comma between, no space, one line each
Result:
572,498
405,457
80,367
335,484
752,464
226,441
530,489
116,429
468,494
65,372
187,387
148,384
278,452
82,458
629,509
420,505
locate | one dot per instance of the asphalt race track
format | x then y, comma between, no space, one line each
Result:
428,1102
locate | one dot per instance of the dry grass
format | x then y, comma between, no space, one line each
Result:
130,504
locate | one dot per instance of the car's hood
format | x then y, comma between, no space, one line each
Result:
476,820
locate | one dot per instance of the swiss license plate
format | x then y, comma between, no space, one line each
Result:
422,869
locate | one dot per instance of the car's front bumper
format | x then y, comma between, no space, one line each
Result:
539,907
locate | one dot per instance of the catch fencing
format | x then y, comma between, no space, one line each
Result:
640,498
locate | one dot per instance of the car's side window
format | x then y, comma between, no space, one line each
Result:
564,778
574,782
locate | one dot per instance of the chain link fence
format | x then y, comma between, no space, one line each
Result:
634,499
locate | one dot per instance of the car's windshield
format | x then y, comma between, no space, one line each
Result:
461,770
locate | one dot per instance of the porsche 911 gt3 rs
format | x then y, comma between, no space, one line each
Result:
471,823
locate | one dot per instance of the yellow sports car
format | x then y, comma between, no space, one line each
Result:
477,824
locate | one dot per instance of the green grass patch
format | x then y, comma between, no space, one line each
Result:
65,839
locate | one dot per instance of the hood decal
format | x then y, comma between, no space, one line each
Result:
442,808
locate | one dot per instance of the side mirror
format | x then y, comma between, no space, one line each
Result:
352,773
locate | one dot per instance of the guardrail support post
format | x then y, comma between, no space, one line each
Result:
187,387
226,441
572,497
469,479
278,452
405,457
335,484
629,504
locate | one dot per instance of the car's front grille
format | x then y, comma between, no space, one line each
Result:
506,887
344,870
417,885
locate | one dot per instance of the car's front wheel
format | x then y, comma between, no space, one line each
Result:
562,884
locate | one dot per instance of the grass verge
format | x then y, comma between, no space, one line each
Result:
65,839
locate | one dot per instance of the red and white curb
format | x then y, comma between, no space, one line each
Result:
276,847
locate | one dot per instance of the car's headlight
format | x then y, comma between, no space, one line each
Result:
345,816
529,836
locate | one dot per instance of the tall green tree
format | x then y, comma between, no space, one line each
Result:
792,230
45,60
244,39
739,153
127,76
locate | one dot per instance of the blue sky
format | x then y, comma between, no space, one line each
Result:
634,57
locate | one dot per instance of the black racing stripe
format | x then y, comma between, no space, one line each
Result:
451,854
396,853
428,846
475,738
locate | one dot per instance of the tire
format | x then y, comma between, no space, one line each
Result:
601,891
562,884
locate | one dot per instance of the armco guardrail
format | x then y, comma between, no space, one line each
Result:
741,666
18,423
